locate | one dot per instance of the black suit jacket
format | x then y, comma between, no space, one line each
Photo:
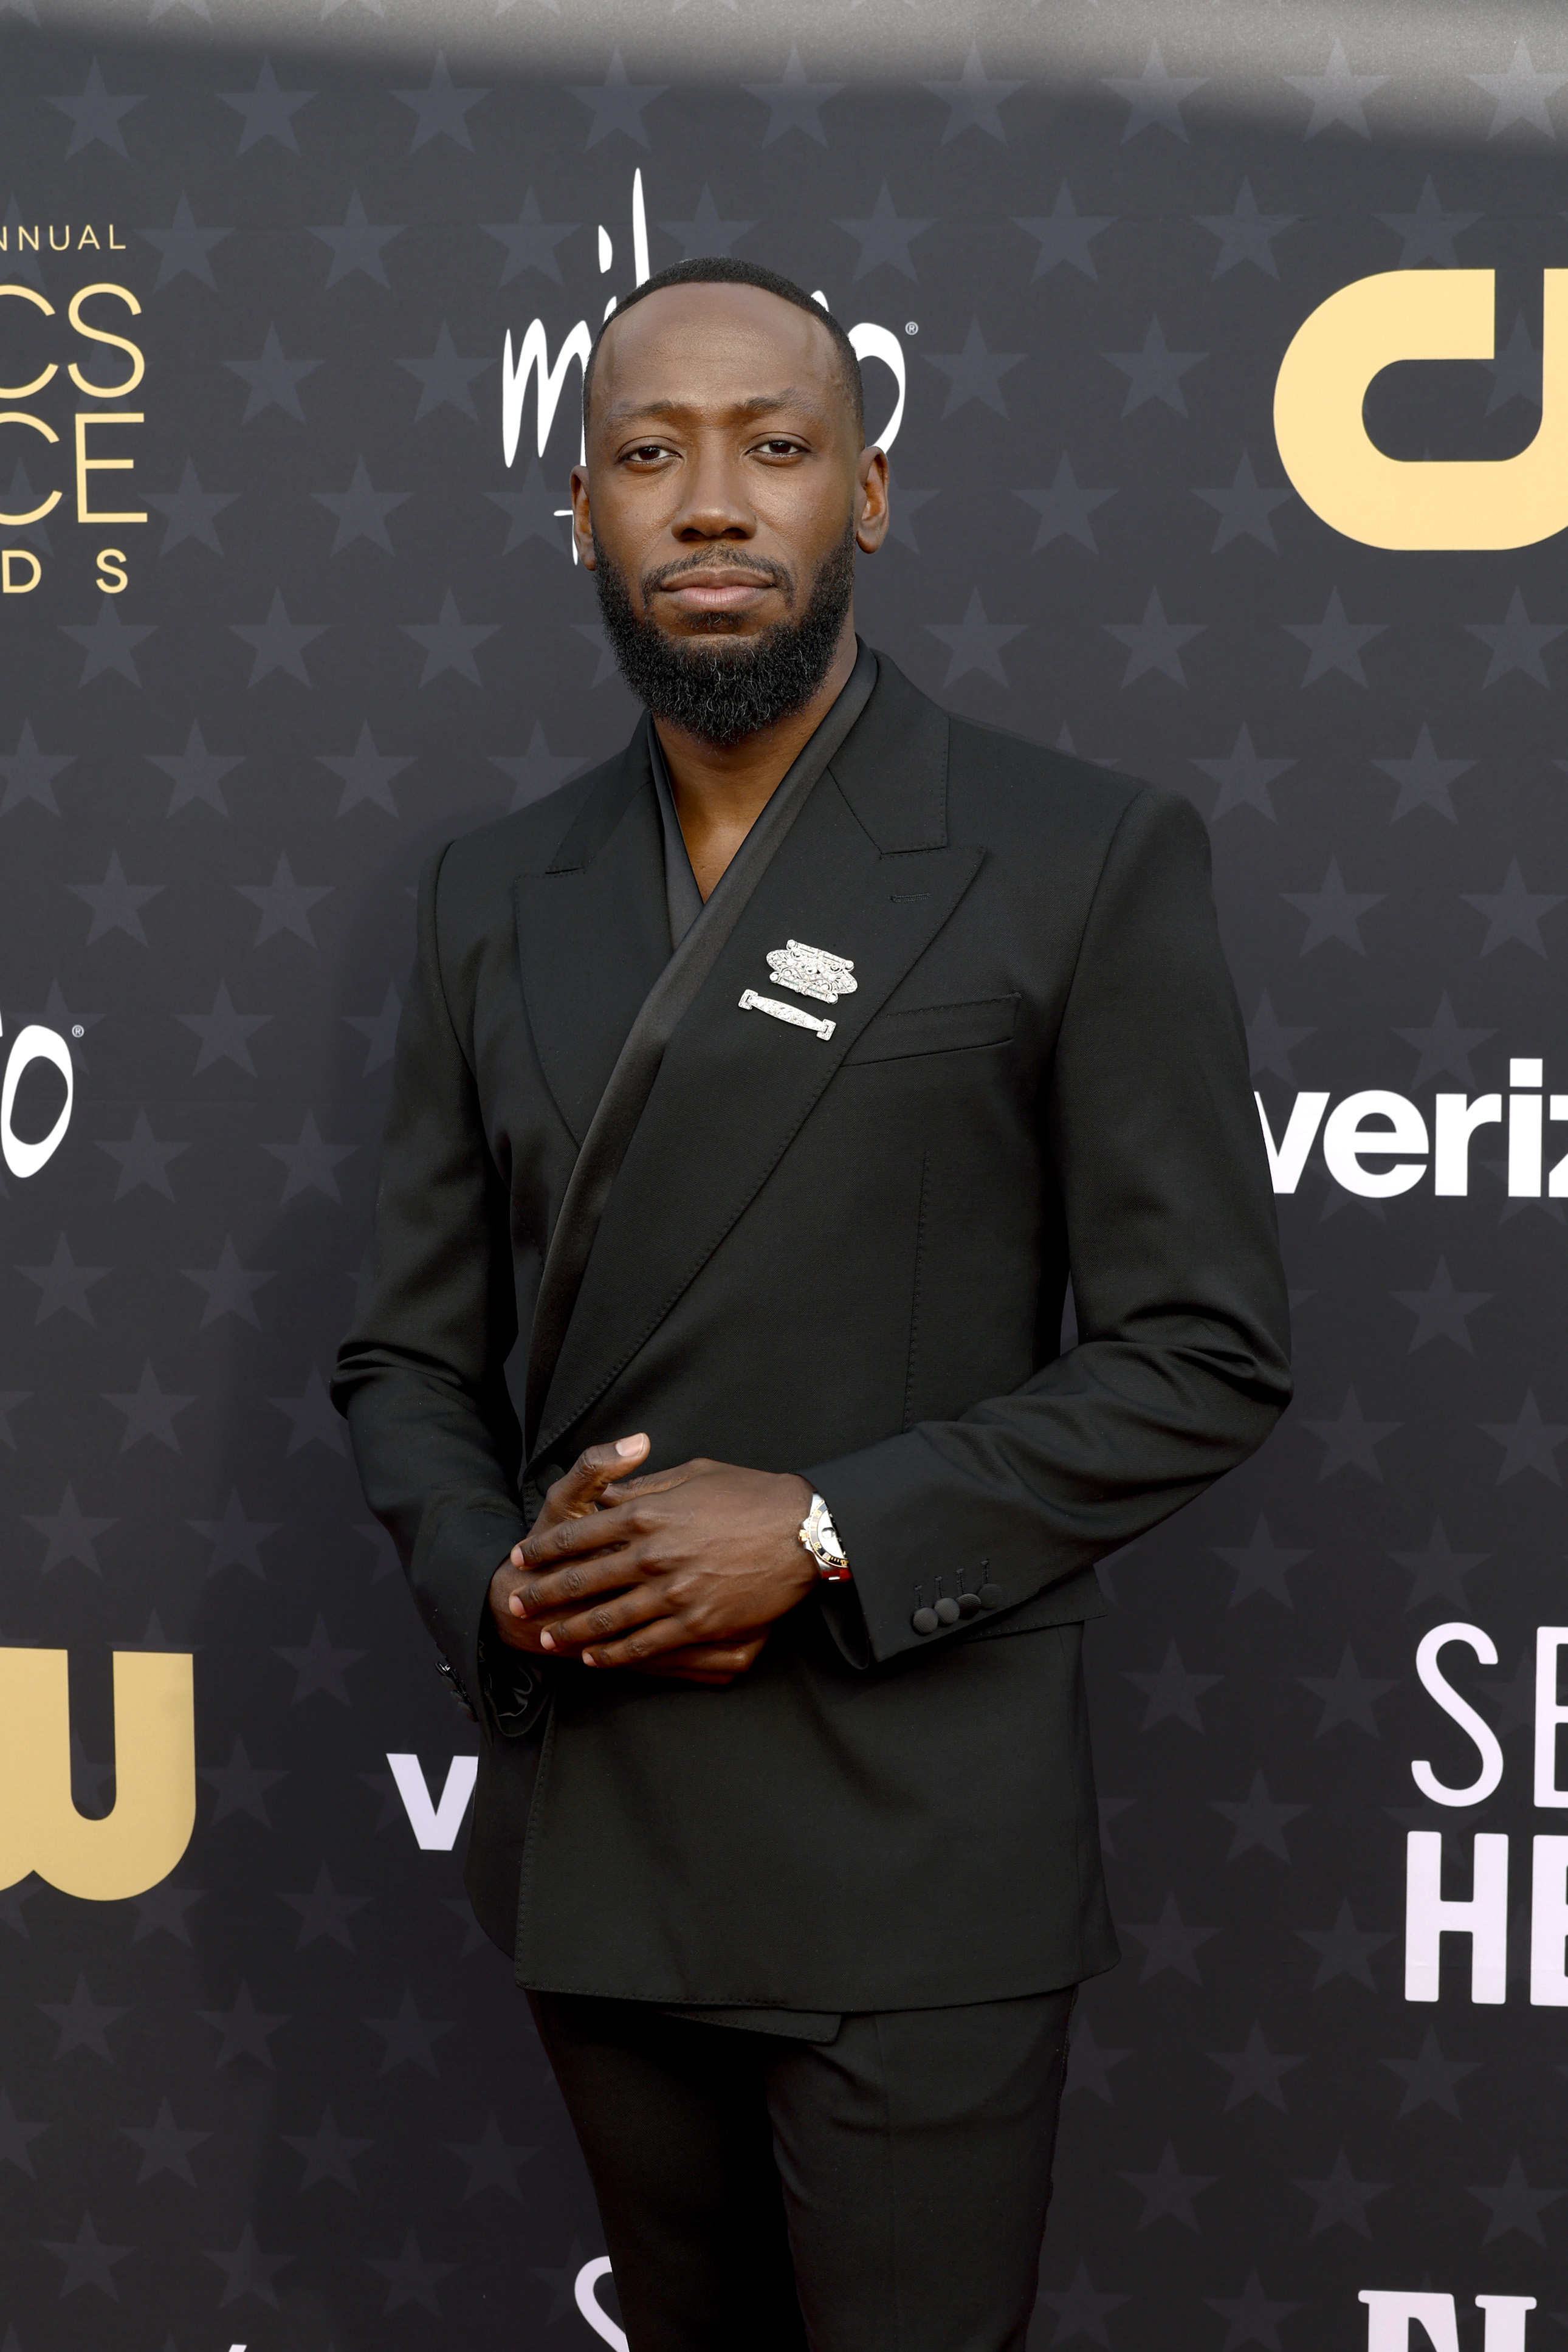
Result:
847,1258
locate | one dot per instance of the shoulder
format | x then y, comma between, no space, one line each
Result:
995,777
1010,793
1003,788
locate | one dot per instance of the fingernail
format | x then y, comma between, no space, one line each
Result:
515,1605
626,1446
589,1659
547,1641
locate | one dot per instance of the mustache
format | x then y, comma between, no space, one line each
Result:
769,575
723,688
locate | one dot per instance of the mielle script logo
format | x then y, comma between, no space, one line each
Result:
1350,484
1378,1126
533,359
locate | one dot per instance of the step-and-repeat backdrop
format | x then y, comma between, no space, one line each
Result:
1211,347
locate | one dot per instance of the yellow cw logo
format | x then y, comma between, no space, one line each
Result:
132,1848
1418,314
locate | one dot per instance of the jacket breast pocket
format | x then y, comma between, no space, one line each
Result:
937,1029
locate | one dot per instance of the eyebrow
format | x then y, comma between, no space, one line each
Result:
761,403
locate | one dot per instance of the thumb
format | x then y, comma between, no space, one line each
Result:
596,1468
582,1490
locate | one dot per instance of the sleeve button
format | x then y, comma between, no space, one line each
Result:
990,1596
947,1610
925,1620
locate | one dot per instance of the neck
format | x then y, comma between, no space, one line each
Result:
720,789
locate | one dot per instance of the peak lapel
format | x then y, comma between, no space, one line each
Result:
593,932
735,1087
892,767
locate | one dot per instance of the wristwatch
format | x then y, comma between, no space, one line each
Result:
819,1537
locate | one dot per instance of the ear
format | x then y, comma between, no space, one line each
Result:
581,518
871,514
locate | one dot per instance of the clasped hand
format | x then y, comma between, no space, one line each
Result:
677,1573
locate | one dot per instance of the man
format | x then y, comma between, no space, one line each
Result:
770,1081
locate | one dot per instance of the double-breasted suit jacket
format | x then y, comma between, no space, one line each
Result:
845,1257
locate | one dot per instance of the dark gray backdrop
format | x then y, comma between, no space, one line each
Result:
287,2097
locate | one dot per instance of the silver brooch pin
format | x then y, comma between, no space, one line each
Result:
795,1015
812,971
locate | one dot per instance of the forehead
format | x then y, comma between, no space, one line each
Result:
713,346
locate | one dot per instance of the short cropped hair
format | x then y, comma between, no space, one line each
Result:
718,269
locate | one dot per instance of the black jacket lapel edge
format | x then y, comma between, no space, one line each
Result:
582,999
962,868
907,927
603,803
891,768
891,775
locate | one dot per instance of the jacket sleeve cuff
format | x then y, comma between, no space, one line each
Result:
920,1570
453,1592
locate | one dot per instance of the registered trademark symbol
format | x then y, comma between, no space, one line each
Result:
911,327
77,1029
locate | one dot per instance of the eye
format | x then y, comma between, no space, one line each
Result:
779,447
645,452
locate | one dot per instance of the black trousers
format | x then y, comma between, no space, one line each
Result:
882,2192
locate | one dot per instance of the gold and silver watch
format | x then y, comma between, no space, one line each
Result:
819,1537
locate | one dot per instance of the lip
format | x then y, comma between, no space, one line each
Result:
716,592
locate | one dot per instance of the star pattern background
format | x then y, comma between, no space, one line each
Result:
290,2093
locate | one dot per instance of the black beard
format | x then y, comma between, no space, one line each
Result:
724,688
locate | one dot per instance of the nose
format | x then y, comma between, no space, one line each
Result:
714,504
